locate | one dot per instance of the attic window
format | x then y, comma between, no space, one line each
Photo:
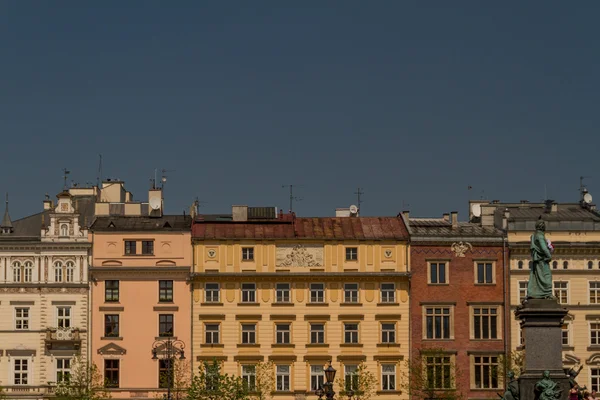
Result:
64,230
111,224
167,225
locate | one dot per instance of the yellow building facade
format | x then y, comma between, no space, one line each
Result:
300,292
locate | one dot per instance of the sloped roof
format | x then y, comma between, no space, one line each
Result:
439,227
564,212
142,223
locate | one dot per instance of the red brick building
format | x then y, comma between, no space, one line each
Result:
458,296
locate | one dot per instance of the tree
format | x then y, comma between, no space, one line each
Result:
513,361
432,374
84,382
211,384
363,382
265,381
180,379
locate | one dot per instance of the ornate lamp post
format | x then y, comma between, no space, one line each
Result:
167,350
329,377
319,393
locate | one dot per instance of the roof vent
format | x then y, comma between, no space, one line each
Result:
166,224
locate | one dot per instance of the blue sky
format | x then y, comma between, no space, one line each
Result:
412,101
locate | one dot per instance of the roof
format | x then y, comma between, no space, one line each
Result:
565,217
142,223
6,222
439,227
325,228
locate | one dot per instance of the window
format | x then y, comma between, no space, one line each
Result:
63,370
485,323
248,333
594,292
111,291
351,333
523,290
594,334
317,333
485,273
388,377
165,374
388,293
520,265
211,293
28,270
554,264
439,372
16,271
437,273
486,372
282,293
351,293
165,325
248,293
565,334
63,316
130,247
58,271
211,333
165,291
22,318
351,253
64,230
70,270
21,368
351,377
565,264
561,292
317,293
249,377
247,253
388,332
590,265
595,378
148,247
283,378
111,325
317,377
282,333
111,373
530,264
437,321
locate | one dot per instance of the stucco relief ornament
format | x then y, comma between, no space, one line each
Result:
461,248
299,257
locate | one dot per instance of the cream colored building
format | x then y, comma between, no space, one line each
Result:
44,294
300,292
574,229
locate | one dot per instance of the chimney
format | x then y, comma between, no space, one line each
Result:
454,215
406,214
495,201
554,207
505,219
446,217
239,213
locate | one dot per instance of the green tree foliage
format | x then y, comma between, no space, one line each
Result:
211,384
84,382
363,383
265,381
432,374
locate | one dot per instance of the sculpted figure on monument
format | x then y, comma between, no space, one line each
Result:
512,389
573,374
540,276
547,388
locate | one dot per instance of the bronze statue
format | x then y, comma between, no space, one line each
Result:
547,388
572,375
540,276
512,388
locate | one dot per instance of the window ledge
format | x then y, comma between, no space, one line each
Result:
351,345
248,345
437,340
594,347
317,304
283,345
485,389
571,348
211,304
388,304
438,284
248,304
165,337
388,344
486,340
389,392
289,304
312,345
351,304
282,393
485,284
210,345
111,338
165,302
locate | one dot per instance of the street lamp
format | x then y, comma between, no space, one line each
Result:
319,392
169,349
329,377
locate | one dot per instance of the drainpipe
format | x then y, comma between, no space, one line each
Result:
506,294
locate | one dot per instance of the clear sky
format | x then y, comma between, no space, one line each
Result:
413,101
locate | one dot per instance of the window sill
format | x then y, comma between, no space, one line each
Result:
112,301
283,345
388,344
165,337
388,304
437,340
316,345
594,347
351,304
211,345
248,345
256,304
289,304
485,389
380,392
486,340
317,304
568,348
211,304
166,302
111,338
351,345
282,393
438,284
486,284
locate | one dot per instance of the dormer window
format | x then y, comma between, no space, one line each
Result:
64,230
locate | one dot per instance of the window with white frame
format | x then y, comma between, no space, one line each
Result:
58,271
351,253
248,292
16,267
63,370
485,372
388,292
437,322
317,377
282,333
388,332
595,379
484,273
211,293
485,323
283,378
317,333
317,292
350,292
564,330
22,318
247,253
282,293
594,292
351,377
561,291
523,290
439,372
63,317
28,271
249,377
388,377
211,333
351,333
437,273
21,371
70,271
64,229
594,333
248,333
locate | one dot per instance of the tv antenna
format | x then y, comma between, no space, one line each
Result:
292,197
358,193
163,177
99,177
66,173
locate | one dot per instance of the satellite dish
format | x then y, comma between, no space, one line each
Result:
353,209
587,198
476,210
155,203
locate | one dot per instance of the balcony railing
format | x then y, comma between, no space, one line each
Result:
63,339
45,389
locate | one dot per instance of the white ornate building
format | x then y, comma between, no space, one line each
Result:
44,293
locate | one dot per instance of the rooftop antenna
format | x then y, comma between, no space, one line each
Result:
292,197
99,177
358,193
66,173
582,187
163,177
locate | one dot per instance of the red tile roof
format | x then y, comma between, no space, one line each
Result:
339,228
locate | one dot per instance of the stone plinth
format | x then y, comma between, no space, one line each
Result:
541,321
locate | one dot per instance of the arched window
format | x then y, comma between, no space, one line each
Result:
520,264
565,264
58,271
64,230
70,271
28,271
16,271
530,264
590,264
555,264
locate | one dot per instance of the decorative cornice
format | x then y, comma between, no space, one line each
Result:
325,276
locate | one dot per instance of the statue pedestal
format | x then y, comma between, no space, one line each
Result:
541,321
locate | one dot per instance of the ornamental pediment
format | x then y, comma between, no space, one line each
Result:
299,255
112,349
